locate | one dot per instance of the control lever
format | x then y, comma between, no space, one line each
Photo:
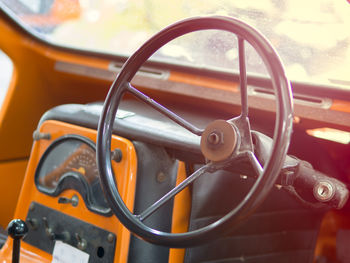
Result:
64,236
64,200
16,229
314,187
81,242
302,180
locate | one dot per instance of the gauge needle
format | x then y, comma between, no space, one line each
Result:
81,170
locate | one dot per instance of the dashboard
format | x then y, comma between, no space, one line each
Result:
67,202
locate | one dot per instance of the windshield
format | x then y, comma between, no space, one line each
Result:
312,37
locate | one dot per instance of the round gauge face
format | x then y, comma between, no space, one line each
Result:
70,163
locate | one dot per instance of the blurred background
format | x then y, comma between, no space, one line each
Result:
312,37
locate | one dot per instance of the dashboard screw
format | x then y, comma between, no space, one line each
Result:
110,238
117,155
41,136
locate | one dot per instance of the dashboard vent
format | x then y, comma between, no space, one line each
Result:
298,98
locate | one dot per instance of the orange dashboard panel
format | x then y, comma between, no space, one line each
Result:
64,189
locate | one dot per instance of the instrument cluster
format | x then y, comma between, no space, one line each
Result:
70,163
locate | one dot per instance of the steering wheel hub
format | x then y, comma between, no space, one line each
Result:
218,141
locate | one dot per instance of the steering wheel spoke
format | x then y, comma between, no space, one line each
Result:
189,180
258,169
171,115
243,77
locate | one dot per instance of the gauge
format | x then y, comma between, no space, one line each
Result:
70,163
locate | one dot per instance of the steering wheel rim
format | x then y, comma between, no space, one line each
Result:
263,184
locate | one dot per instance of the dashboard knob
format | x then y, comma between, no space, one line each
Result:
17,229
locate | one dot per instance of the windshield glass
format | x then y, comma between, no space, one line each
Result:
312,37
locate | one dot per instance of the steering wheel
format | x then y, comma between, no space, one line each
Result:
222,142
